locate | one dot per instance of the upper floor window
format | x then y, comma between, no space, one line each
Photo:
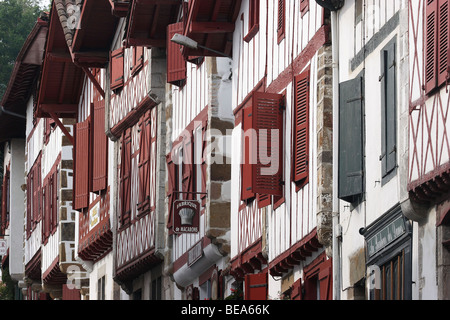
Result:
253,20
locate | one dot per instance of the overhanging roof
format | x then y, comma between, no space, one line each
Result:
22,82
211,24
148,20
61,80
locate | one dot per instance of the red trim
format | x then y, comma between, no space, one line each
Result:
248,261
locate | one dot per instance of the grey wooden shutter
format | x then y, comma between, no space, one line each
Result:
388,155
351,170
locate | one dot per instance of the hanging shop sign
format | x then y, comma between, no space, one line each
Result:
186,216
386,236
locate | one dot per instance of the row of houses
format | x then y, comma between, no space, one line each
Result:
288,150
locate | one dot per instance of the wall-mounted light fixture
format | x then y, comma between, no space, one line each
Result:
192,44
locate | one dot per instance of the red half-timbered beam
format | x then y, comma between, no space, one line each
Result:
62,127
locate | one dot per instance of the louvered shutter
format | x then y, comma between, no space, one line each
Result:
117,66
125,178
281,19
55,205
350,139
443,41
388,109
267,117
176,64
301,129
248,153
256,286
47,208
29,202
171,188
144,163
304,6
99,147
431,45
81,173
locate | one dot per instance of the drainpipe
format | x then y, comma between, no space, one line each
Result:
335,204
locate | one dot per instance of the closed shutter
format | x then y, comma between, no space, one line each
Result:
138,59
99,147
4,204
171,188
325,282
443,41
188,167
117,66
54,200
256,286
81,173
144,163
268,121
29,202
176,64
204,165
304,6
70,294
125,178
296,292
431,29
281,19
388,109
47,208
350,139
301,129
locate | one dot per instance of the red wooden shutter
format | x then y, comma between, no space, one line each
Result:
125,178
301,128
81,173
304,6
204,165
171,187
55,206
267,118
99,147
47,208
144,163
256,286
325,282
296,292
4,204
431,45
176,64
248,153
70,294
443,46
29,201
281,19
138,59
117,65
188,166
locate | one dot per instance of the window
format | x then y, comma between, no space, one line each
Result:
262,142
101,288
300,127
358,11
116,66
34,200
436,44
253,20
125,179
281,19
138,59
156,289
5,202
176,64
50,198
351,169
145,144
388,155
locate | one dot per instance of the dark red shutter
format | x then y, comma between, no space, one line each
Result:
443,41
138,59
204,165
82,165
256,286
55,206
4,204
176,64
281,19
70,294
431,45
171,188
304,6
117,65
188,166
144,163
325,282
301,128
296,292
125,178
99,147
248,153
47,208
267,118
29,201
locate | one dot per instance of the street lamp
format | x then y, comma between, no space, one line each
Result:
192,44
